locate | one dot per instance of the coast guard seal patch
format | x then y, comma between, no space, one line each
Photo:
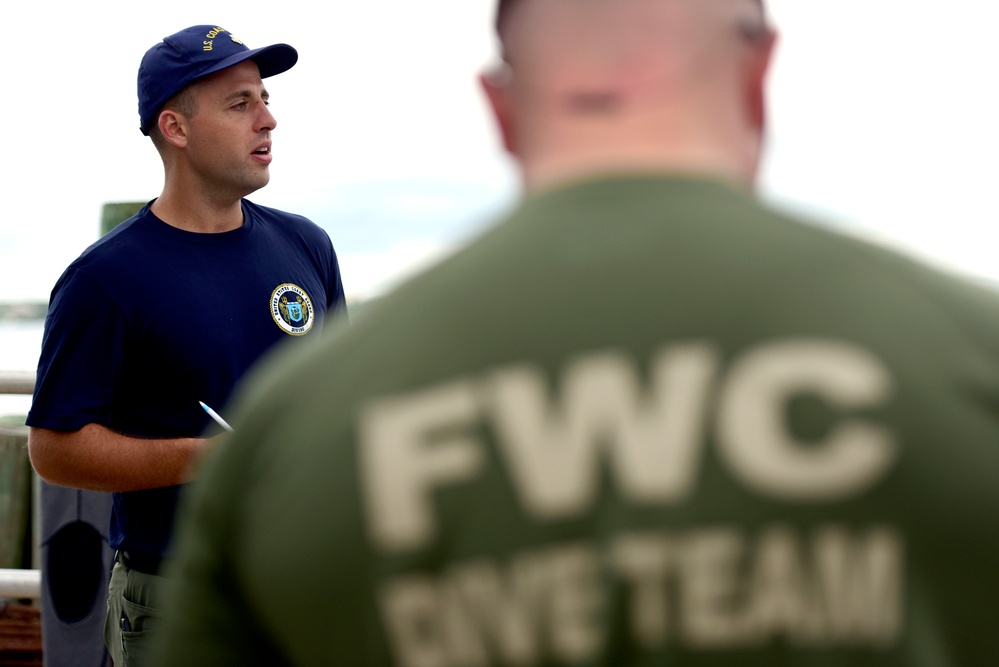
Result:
291,309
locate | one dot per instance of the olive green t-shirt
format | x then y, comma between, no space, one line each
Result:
643,421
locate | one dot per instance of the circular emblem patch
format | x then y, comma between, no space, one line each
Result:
291,309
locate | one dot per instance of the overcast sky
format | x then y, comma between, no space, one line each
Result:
883,121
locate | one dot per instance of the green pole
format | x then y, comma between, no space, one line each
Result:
115,213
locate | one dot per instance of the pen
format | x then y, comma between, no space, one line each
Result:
214,415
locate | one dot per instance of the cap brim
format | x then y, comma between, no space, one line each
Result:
274,59
271,60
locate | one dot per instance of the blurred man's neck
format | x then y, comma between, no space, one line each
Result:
544,172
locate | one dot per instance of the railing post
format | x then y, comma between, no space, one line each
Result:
17,382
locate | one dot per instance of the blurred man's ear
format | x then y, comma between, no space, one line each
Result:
495,84
759,66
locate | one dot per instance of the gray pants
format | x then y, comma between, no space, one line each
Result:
134,601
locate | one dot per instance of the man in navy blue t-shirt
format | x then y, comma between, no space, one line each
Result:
172,308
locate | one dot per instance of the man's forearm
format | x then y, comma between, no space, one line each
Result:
98,459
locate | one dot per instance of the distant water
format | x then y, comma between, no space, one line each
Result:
20,345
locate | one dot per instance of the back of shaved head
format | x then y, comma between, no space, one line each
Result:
505,7
616,41
627,78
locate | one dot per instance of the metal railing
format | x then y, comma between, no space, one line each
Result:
17,382
19,584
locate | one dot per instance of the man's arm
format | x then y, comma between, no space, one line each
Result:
98,459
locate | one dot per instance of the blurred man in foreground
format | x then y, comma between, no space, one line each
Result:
645,420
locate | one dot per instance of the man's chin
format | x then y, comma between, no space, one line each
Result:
258,181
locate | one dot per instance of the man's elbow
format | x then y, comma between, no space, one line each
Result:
47,455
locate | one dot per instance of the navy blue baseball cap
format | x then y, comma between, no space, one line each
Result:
194,53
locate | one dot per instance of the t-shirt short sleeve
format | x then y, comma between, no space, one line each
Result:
81,354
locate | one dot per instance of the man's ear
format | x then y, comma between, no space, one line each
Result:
758,70
173,127
495,85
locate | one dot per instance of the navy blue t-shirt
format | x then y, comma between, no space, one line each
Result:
152,319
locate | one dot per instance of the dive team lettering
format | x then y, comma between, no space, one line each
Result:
716,586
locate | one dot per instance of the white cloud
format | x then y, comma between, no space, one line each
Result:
368,275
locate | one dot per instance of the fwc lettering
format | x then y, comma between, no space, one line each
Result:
650,435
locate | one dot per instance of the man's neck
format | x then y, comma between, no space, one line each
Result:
544,174
202,215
